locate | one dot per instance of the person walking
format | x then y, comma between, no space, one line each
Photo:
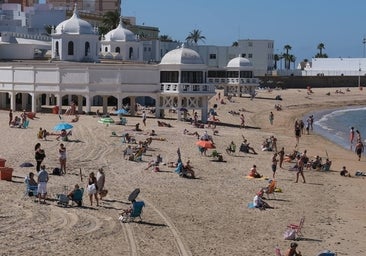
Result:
144,118
274,164
271,118
100,183
300,169
42,184
39,155
359,148
92,188
62,158
10,116
281,154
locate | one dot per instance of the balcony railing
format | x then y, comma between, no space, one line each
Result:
187,88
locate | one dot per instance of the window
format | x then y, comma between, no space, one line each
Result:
106,49
169,76
250,44
212,56
87,49
130,53
70,48
191,77
250,55
57,50
118,49
243,55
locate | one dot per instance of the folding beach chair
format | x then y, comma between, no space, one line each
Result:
297,227
135,213
30,190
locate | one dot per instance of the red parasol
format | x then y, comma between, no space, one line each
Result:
205,144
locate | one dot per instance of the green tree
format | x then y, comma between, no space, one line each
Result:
195,36
111,19
320,47
165,38
235,44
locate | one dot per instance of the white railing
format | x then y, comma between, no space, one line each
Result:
214,80
187,88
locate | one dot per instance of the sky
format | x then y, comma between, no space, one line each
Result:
339,24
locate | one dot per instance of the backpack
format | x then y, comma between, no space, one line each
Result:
56,171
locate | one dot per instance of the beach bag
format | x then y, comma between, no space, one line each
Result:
92,189
103,193
290,234
56,171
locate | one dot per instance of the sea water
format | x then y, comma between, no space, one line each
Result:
335,125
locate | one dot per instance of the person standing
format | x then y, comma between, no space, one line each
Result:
100,182
297,132
242,121
359,148
92,188
271,118
274,164
351,135
42,184
62,158
281,154
39,155
144,118
300,169
10,116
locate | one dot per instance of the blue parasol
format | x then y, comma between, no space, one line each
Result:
121,111
63,126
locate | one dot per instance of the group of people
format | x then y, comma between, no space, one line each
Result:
18,122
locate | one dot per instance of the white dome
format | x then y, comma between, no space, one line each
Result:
74,25
240,63
182,56
120,34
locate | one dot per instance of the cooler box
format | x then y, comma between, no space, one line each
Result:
6,173
2,162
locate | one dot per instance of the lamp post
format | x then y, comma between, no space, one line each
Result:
359,78
364,42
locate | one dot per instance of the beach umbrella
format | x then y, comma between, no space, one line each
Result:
106,120
205,144
183,109
26,164
134,194
121,111
63,126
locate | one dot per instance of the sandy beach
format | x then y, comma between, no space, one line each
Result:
203,216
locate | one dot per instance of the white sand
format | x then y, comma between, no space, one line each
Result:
205,216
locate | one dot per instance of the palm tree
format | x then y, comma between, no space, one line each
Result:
195,36
286,56
235,44
292,58
111,19
276,58
320,47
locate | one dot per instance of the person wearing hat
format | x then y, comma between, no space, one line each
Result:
292,250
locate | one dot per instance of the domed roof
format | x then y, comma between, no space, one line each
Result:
182,56
120,34
74,25
239,63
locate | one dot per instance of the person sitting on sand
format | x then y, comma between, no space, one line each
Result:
164,124
231,148
137,127
259,202
64,135
344,172
292,250
76,194
253,172
326,165
189,169
290,157
244,147
155,162
40,133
